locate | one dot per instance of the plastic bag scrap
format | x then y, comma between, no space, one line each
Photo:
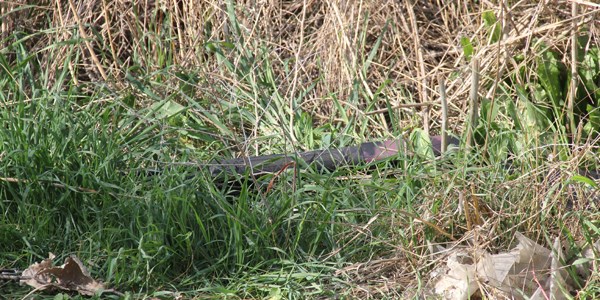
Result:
529,271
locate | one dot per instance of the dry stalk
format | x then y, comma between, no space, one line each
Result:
87,42
107,29
298,59
422,73
324,43
407,105
574,76
474,102
444,102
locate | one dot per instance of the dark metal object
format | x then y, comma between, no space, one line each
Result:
329,159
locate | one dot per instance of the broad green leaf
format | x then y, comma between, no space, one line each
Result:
499,146
512,112
535,116
487,111
590,72
549,74
217,123
275,294
468,49
593,123
492,25
421,143
167,109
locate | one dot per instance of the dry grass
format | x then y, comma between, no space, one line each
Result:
322,42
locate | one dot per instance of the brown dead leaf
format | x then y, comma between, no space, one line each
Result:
30,274
71,276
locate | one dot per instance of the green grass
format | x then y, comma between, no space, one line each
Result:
76,162
173,231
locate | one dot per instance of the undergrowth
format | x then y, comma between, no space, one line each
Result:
112,113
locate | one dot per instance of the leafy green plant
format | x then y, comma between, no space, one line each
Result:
493,26
468,48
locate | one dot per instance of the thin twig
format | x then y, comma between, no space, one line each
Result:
404,105
540,286
272,181
433,226
586,3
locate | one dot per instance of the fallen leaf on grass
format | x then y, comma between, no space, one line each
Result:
71,276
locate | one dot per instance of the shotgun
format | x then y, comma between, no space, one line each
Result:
329,159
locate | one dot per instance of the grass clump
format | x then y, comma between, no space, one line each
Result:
113,111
